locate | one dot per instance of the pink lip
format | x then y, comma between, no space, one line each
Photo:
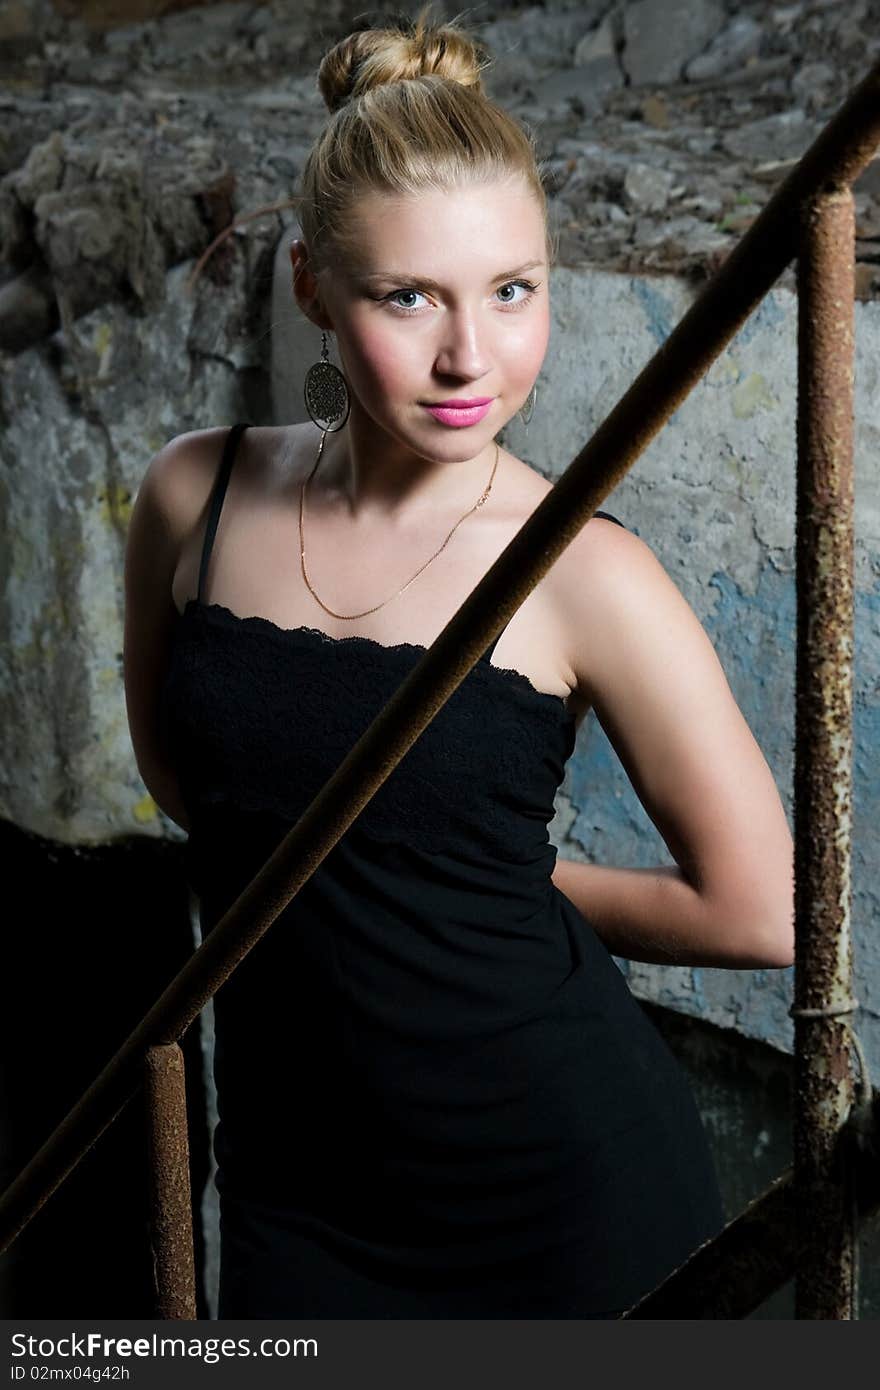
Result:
459,417
462,404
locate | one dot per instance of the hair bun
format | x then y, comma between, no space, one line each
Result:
396,48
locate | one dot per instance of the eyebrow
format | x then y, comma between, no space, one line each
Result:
410,278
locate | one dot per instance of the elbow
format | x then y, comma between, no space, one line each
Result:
775,938
767,920
760,938
781,954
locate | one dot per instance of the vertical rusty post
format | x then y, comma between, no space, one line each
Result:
171,1233
824,1092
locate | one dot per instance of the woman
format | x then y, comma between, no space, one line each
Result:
437,1096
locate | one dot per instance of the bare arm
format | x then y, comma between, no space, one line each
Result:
660,693
656,915
159,519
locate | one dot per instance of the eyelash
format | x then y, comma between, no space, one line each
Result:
399,309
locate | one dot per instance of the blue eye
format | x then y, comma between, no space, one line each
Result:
389,298
519,284
513,304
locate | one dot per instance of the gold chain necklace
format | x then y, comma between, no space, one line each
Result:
302,494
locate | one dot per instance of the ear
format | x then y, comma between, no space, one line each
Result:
305,286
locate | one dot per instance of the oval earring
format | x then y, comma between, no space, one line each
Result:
326,393
528,405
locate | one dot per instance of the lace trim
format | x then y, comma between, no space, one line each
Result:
261,624
240,718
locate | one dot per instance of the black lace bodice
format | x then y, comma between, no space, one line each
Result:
239,706
259,717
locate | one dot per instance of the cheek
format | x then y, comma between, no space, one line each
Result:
379,357
525,347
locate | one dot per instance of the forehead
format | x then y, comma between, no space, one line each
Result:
473,229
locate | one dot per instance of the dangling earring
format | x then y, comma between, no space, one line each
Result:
326,392
528,405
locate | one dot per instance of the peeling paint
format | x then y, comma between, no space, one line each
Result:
751,395
102,344
767,318
659,313
724,372
145,810
114,505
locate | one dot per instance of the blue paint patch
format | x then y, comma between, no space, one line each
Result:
768,316
661,319
697,982
759,631
658,310
756,631
871,600
866,741
615,815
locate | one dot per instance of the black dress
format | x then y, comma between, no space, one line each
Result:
437,1096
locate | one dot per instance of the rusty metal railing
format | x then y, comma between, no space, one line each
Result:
826,1226
174,1274
805,1222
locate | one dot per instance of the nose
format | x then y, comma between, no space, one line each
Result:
462,351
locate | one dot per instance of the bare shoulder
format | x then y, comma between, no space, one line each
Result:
181,475
606,582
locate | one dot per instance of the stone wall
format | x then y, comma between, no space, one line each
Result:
124,150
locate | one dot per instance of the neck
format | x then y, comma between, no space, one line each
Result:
376,478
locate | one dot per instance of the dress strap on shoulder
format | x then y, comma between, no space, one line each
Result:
609,517
217,494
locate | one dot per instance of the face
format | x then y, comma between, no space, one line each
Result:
448,300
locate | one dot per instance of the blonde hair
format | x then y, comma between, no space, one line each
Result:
408,112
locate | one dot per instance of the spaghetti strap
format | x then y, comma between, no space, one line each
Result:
490,650
217,495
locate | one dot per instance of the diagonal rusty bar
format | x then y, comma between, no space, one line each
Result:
757,1252
732,1274
837,156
